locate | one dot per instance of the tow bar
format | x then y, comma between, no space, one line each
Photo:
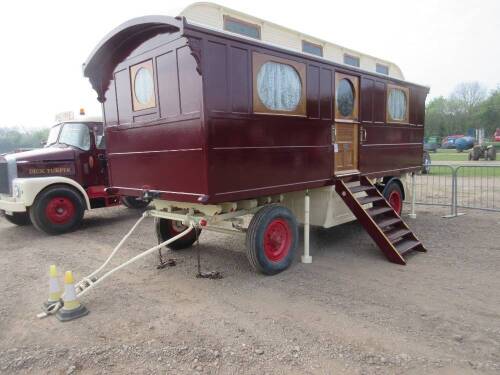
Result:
89,282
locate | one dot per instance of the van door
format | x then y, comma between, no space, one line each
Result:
345,131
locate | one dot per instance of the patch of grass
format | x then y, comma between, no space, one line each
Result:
449,155
468,171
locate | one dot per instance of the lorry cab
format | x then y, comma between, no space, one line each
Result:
52,186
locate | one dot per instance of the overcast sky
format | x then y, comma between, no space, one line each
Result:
437,43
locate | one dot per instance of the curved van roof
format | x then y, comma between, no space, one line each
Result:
212,15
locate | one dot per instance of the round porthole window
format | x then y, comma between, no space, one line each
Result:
279,86
143,86
345,97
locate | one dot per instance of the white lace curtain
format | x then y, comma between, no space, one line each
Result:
397,104
279,86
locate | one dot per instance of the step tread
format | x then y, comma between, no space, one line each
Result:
397,233
360,188
386,222
352,184
374,211
370,199
405,246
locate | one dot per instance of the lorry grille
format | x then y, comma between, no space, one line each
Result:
4,178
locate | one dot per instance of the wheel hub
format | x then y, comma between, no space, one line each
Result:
60,210
277,240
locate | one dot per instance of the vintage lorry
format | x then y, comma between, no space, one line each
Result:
221,117
51,187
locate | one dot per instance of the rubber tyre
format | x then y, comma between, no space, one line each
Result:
261,222
18,218
389,191
492,153
166,229
134,203
476,153
38,211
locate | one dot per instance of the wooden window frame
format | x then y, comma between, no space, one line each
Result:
354,117
389,119
259,59
234,19
384,65
136,105
304,42
353,57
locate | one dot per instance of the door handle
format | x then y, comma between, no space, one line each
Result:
363,134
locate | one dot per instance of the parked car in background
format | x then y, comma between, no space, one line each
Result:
431,144
51,187
449,141
496,135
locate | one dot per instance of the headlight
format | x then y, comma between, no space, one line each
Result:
16,190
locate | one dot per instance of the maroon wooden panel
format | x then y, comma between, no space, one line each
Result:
420,106
240,80
366,97
216,76
313,88
379,102
189,82
412,110
168,84
123,96
239,173
255,131
110,111
326,93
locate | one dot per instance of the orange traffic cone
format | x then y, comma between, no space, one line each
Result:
54,289
72,308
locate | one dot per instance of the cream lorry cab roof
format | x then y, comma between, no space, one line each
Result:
212,15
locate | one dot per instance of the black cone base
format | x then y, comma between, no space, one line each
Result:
67,315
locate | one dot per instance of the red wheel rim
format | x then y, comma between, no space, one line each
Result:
396,201
277,240
60,210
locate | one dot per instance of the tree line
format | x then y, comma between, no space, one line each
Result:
470,105
12,138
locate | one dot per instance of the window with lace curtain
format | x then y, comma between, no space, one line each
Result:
279,85
397,104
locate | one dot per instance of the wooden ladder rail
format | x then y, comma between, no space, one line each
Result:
391,234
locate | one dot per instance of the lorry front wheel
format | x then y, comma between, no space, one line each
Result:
18,218
166,229
272,239
57,210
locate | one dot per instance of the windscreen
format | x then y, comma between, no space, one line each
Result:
53,135
75,134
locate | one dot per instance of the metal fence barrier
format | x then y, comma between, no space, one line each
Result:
473,186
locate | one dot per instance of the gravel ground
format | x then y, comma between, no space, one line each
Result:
349,312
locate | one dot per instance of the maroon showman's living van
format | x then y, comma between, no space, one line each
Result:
216,123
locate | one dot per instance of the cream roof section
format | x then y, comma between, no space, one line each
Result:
212,15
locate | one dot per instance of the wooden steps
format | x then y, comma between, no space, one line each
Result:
382,223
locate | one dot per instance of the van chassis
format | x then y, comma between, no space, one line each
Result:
269,223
